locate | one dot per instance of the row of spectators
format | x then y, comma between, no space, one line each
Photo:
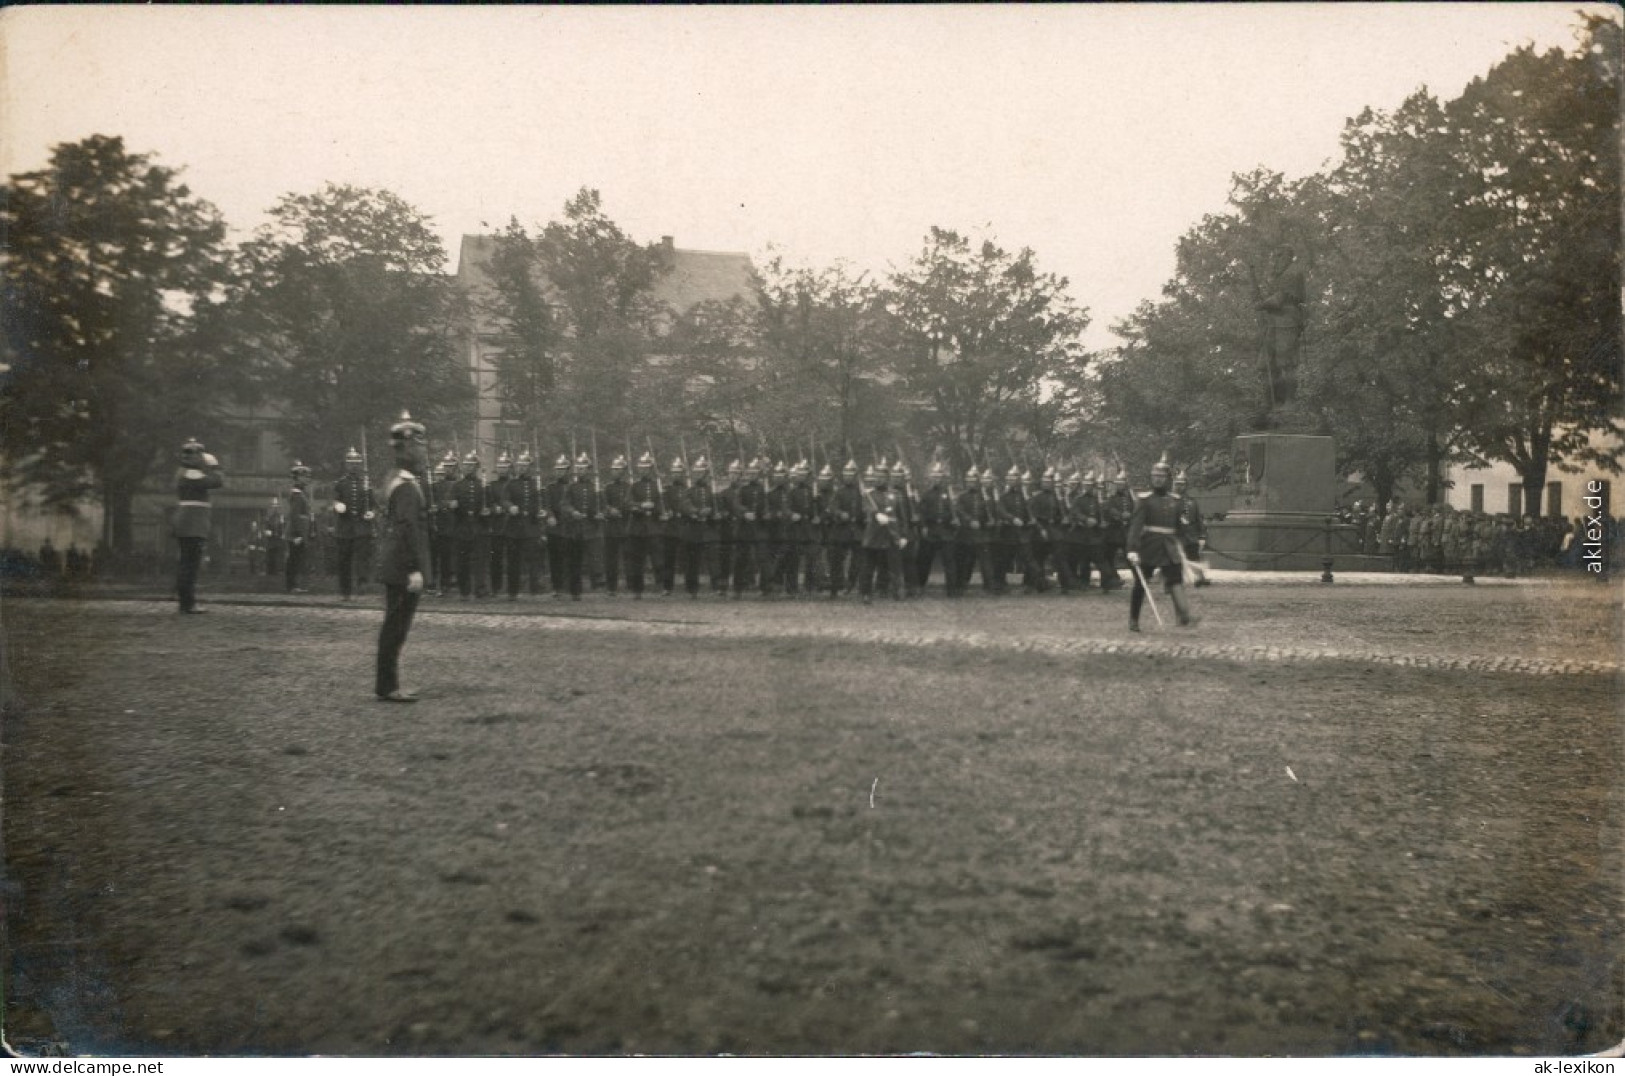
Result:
1439,538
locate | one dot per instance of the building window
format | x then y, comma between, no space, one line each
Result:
1554,499
1478,496
1514,500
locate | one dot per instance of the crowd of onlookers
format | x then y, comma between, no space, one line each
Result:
1441,539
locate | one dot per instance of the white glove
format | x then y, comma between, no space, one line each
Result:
210,461
1133,557
414,583
367,516
882,518
513,509
338,507
192,473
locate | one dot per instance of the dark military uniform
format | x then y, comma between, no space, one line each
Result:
299,528
747,507
558,555
525,509
674,500
403,553
617,498
702,528
1155,531
583,524
643,526
844,535
197,475
470,511
1045,508
882,541
938,528
354,511
442,528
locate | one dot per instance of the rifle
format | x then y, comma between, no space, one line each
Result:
660,488
597,479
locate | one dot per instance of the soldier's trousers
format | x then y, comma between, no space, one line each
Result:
399,605
744,565
523,558
930,551
441,557
637,550
671,549
720,565
498,546
347,557
471,569
1095,554
186,572
555,561
614,554
787,566
843,556
575,556
882,568
698,557
294,571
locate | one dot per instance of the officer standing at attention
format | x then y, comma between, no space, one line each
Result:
199,473
352,527
403,555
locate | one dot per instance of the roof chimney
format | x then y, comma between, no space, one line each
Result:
668,251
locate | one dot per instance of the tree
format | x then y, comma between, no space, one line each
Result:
347,318
1537,275
982,328
527,368
828,347
600,280
108,263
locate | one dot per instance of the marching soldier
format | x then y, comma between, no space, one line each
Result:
558,499
199,472
1069,544
1015,533
937,529
1045,509
799,508
470,512
617,496
971,541
403,555
582,522
673,503
300,525
701,529
727,547
1153,535
1091,512
1192,529
747,506
845,533
908,528
523,502
353,512
882,542
818,554
495,531
1116,506
443,525
643,525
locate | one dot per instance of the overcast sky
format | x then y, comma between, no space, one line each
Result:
1094,134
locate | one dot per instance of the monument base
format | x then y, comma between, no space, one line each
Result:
1268,542
1282,516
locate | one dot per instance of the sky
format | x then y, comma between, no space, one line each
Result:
1094,134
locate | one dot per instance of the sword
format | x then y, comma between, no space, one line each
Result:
1147,588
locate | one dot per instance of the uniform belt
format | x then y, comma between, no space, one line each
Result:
1160,530
192,504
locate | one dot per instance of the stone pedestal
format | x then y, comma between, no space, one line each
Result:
1280,518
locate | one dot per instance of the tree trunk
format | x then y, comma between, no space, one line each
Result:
1435,463
118,525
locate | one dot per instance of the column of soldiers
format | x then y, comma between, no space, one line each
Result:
1443,540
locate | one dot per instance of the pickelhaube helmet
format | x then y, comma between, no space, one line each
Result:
448,462
583,464
900,470
1161,466
471,459
406,429
677,465
646,462
352,456
1121,478
193,446
989,475
826,473
1049,477
702,465
850,469
299,470
1013,474
525,460
1180,479
735,468
1029,478
276,501
971,473
618,463
780,470
1089,477
938,470
801,470
504,461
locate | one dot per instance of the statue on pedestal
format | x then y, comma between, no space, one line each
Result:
1280,330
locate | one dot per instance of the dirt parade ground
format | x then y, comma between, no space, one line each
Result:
1327,820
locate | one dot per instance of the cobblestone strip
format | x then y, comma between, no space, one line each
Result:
1153,646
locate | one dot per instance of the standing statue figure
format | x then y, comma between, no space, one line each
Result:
1280,325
